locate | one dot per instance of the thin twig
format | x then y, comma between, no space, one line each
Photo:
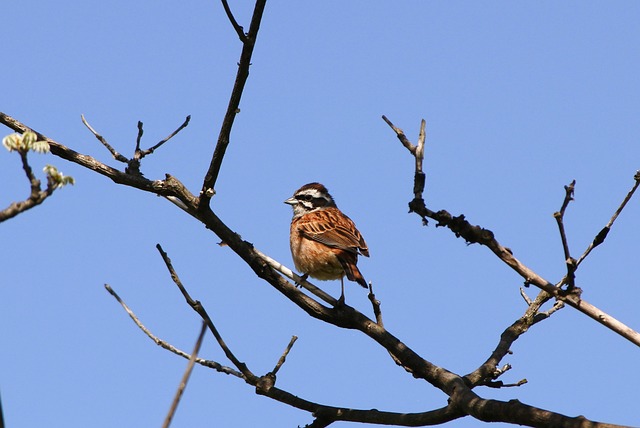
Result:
165,345
283,357
500,384
526,298
375,303
197,306
185,377
569,279
559,216
139,137
239,30
210,178
150,150
602,235
117,156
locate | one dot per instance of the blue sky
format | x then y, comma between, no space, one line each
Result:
520,98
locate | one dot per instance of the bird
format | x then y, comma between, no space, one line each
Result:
325,243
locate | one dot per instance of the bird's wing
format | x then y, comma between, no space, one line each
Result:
333,229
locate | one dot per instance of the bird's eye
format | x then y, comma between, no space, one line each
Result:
304,197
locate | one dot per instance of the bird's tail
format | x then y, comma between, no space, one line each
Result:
352,271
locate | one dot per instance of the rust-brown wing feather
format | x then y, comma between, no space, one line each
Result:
333,229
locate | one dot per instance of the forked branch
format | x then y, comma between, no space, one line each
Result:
476,234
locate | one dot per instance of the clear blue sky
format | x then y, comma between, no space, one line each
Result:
519,98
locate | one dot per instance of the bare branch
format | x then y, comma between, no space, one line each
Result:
211,176
1,414
283,357
239,30
488,371
139,137
401,136
150,150
526,298
602,235
117,156
185,377
165,345
375,303
559,216
197,306
476,234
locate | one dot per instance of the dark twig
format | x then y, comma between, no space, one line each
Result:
375,303
139,137
185,377
602,235
488,372
197,306
559,216
320,423
165,345
150,150
500,384
209,182
239,30
117,156
283,357
1,415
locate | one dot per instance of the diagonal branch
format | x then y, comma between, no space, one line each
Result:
152,149
487,371
283,357
239,30
224,136
185,377
165,345
476,234
602,235
116,155
197,306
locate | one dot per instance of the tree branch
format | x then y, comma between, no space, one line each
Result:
239,30
602,235
249,41
185,377
463,399
197,306
559,216
476,234
165,345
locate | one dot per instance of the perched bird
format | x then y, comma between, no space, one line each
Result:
324,242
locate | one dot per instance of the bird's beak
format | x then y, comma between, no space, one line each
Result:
291,201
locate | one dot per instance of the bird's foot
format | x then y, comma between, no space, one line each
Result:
303,278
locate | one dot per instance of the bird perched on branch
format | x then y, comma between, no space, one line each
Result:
325,243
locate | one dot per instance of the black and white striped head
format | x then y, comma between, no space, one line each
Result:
310,197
